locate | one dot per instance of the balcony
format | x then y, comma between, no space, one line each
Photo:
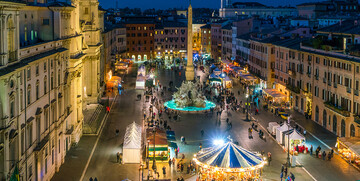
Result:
348,90
336,109
291,72
293,88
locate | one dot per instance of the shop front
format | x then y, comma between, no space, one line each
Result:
349,149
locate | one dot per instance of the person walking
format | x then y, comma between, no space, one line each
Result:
311,150
164,171
170,163
292,176
285,171
269,157
91,179
281,176
117,157
324,155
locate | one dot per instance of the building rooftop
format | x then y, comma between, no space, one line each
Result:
343,27
207,26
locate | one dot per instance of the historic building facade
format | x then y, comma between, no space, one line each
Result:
44,51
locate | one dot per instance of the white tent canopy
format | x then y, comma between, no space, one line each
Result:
279,132
294,135
132,144
272,127
140,82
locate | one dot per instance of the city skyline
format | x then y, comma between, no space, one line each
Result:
165,4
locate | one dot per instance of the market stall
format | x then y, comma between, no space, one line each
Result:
132,144
113,82
140,82
349,149
294,138
248,79
280,131
275,96
160,144
141,70
227,82
272,127
228,162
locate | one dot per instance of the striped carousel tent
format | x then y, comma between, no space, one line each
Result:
229,156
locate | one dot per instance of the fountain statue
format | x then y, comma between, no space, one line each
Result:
189,95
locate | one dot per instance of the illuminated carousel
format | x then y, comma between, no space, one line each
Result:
228,162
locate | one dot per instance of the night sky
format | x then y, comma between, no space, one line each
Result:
164,4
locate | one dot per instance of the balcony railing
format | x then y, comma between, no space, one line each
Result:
337,109
348,89
293,88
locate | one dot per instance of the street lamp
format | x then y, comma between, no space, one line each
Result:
288,147
154,162
147,158
247,103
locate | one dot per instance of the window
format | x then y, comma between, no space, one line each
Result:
46,119
22,148
86,10
58,78
29,73
29,94
52,81
21,99
45,21
59,146
37,89
29,134
12,106
37,70
45,67
46,165
45,84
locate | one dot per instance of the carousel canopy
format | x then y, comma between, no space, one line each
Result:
228,156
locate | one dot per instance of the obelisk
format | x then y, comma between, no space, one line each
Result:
189,72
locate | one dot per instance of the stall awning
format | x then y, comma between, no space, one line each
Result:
158,148
170,133
353,143
171,138
172,145
248,77
274,93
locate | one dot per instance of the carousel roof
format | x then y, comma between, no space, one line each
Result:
228,156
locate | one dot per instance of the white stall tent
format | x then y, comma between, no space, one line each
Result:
272,127
140,82
294,135
132,144
279,132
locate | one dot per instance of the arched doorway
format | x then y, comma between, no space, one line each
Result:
334,125
352,130
317,114
139,58
343,125
324,119
145,57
